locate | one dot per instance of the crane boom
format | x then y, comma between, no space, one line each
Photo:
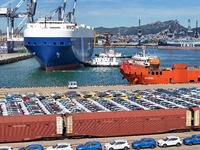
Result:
6,4
63,9
18,5
31,9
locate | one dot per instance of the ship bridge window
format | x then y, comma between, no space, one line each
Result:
34,43
61,43
29,43
161,73
54,43
45,43
156,73
152,73
149,73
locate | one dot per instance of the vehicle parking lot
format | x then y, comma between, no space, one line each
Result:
164,96
12,104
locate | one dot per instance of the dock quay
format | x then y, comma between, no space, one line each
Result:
13,57
128,45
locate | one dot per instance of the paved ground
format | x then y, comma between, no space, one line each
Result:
75,142
95,88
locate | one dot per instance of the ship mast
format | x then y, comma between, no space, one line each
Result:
139,34
196,33
189,31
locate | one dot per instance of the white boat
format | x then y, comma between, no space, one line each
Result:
103,61
144,60
110,53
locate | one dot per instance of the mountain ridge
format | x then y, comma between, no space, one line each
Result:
157,27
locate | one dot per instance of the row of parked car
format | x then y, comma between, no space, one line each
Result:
97,101
118,144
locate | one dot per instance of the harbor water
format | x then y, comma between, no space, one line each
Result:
27,73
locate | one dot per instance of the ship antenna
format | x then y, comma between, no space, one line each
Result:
196,34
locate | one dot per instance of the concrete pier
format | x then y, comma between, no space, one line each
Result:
13,57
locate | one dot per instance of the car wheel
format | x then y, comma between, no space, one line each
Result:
111,148
190,144
138,147
125,148
153,146
178,144
165,145
98,149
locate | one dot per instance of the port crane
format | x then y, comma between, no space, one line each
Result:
11,14
61,12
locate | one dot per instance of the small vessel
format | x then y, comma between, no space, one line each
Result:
144,60
178,73
110,53
59,44
102,61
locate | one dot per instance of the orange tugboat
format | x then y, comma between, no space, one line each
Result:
178,73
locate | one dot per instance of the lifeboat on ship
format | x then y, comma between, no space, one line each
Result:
154,62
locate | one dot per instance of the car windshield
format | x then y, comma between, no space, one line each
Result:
55,146
193,136
86,144
112,143
141,140
166,139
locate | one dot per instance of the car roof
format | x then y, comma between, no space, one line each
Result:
195,135
120,140
172,137
63,143
147,139
92,142
5,147
30,145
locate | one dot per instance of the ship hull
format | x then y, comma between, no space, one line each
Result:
170,47
179,46
57,57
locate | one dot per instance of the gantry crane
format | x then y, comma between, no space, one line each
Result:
11,14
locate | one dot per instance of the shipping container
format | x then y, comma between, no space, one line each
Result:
195,122
25,128
103,124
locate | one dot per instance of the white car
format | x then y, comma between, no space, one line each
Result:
170,141
72,85
60,146
117,144
6,148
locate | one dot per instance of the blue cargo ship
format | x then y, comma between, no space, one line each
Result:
60,44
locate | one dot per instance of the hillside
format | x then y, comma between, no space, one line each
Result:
152,28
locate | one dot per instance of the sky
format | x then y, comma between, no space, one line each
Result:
118,13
